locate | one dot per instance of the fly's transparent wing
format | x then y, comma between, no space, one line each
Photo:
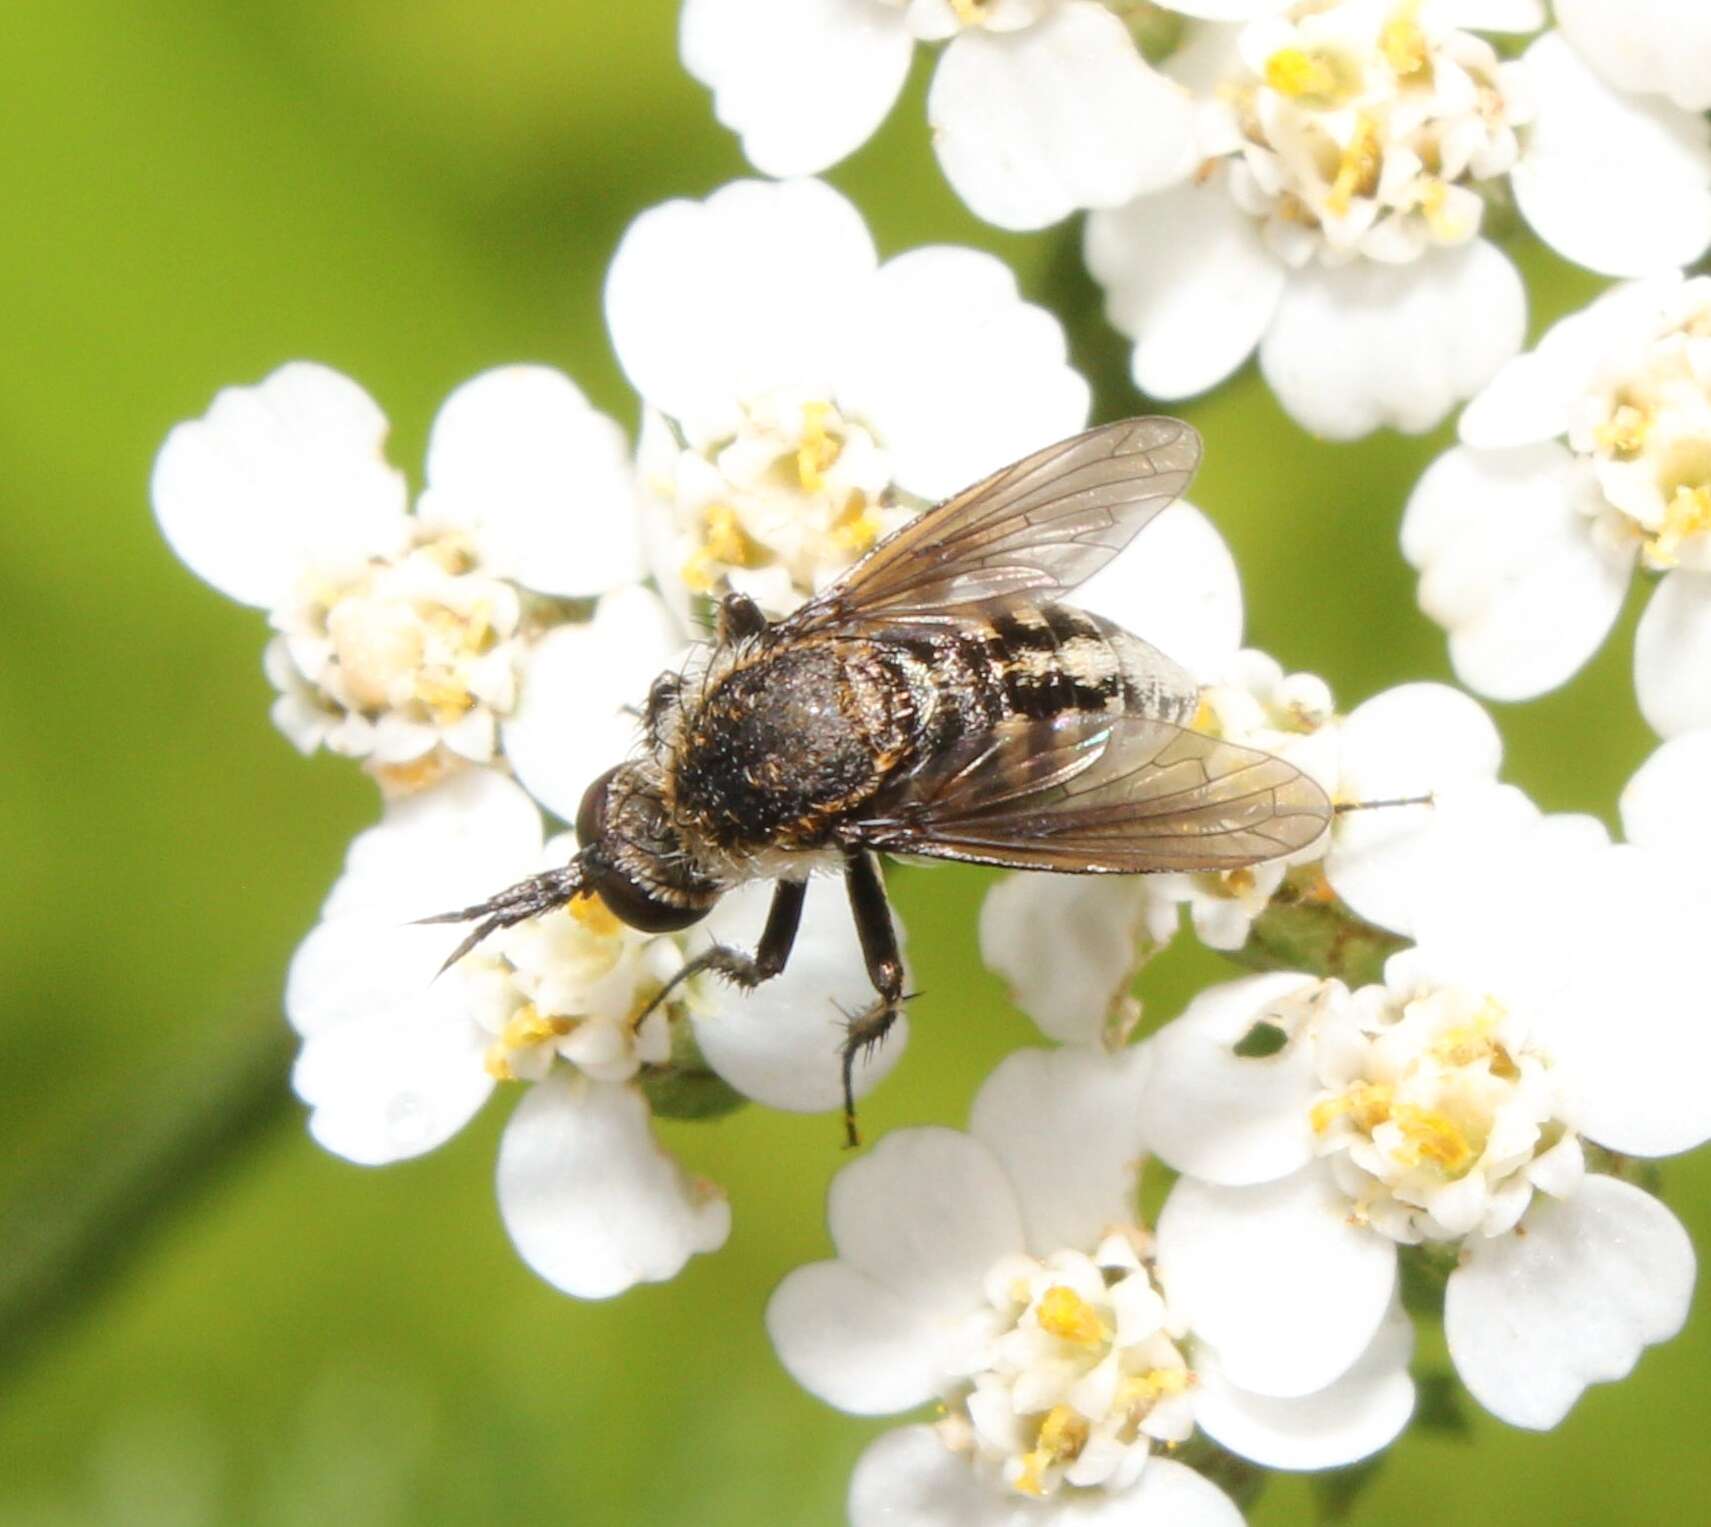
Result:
1036,529
1093,793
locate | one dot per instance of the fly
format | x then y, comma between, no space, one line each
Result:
938,700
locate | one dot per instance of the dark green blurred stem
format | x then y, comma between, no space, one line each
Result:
79,1223
1239,1479
1307,928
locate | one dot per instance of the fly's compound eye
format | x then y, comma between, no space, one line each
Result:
635,905
591,814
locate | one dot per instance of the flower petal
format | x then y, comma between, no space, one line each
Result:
925,1214
1662,806
1197,303
711,303
781,1044
590,1199
1413,740
1290,1322
574,716
804,82
1509,566
1067,947
1221,1116
956,373
1067,1126
278,478
1638,45
1618,184
1672,655
1361,1412
1365,344
520,461
1031,125
1178,588
391,1064
1570,1298
854,1343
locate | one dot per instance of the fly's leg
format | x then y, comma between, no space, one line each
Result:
746,970
884,968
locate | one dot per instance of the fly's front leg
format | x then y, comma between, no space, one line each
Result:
747,970
884,968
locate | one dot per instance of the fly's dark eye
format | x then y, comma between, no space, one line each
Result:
630,903
591,814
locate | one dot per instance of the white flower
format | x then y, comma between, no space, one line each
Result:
1449,1106
1663,805
1582,457
407,639
1644,45
1069,947
1004,1273
803,399
1038,107
1334,224
397,1055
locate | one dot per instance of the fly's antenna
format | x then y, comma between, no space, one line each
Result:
528,898
1401,800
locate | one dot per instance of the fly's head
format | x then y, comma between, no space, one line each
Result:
633,856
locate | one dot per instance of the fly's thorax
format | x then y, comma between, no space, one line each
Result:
780,748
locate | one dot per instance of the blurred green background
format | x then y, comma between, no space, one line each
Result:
194,193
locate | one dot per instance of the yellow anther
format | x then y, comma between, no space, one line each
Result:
1237,882
1028,1481
727,541
498,1063
477,627
1206,719
818,449
969,12
1066,1315
1294,72
1624,433
1366,1103
1434,199
1357,170
1433,1137
444,695
529,1026
455,553
1140,1391
397,780
857,528
594,915
1063,1433
1403,43
1688,514
1466,1043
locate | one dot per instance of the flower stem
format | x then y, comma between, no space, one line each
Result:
74,1227
1307,928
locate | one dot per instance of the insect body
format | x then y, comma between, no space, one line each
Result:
937,701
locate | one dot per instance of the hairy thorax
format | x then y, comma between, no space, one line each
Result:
783,747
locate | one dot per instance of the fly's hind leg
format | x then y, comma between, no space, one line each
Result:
771,954
868,1028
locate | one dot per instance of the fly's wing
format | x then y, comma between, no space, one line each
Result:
1088,793
1037,528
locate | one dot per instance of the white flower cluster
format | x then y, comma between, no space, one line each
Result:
496,639
1458,1101
1323,167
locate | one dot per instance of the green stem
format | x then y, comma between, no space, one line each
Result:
84,1218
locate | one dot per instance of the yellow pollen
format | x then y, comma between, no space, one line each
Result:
444,696
528,1026
1403,43
818,449
477,627
1688,514
1366,1103
454,553
1357,170
1624,433
1237,882
1294,72
968,12
594,915
1434,197
407,778
726,543
1063,1434
1433,1137
1139,1391
1205,719
498,1063
857,528
1467,1043
1066,1315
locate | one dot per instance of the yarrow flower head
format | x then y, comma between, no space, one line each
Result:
1038,107
801,398
1451,1106
1349,149
1581,459
1005,1273
409,639
398,1055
